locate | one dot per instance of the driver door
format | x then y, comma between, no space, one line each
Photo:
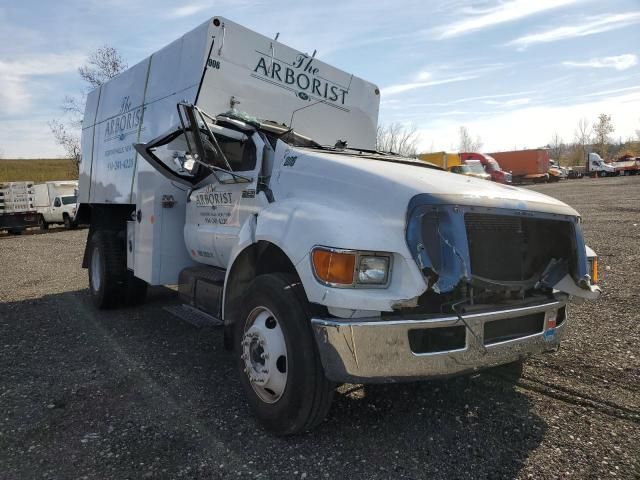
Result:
220,167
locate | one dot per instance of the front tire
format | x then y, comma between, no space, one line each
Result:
67,222
277,357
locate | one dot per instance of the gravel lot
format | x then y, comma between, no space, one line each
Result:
137,393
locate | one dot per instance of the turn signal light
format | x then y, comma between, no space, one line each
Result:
334,267
593,263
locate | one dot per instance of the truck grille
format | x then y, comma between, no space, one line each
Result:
514,248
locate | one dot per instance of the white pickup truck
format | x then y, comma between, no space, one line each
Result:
56,202
324,260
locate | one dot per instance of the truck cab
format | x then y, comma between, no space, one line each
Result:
490,166
258,191
596,166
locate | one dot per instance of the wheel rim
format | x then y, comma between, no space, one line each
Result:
96,265
264,353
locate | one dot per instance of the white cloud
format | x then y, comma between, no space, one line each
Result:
504,12
187,10
509,103
405,87
590,26
618,62
15,76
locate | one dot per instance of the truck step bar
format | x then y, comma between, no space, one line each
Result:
194,316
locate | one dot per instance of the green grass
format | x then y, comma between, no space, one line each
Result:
37,170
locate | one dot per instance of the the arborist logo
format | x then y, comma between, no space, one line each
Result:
125,122
301,76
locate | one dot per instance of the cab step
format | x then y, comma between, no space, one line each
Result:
194,316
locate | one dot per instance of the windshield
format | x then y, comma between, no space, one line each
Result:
69,200
475,167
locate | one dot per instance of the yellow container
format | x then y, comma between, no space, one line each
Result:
441,159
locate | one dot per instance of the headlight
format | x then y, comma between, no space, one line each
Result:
351,268
373,270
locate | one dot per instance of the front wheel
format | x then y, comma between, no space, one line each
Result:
67,222
277,358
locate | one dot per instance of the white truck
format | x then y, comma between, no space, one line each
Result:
245,172
55,202
596,166
17,210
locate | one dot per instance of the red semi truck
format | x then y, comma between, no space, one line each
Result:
490,166
525,165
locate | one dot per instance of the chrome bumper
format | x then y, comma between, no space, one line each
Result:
371,350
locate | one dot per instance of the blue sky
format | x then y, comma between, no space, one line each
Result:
514,71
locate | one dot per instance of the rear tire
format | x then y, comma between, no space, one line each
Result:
106,269
43,223
110,283
287,390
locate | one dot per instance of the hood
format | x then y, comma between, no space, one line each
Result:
439,186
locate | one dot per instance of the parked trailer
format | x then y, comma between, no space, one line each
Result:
56,202
627,166
525,165
17,210
324,260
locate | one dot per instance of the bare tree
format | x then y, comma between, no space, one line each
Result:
467,144
102,64
69,140
602,129
582,139
556,147
397,138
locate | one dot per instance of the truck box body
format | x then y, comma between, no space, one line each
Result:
524,164
17,210
45,193
218,65
442,159
16,197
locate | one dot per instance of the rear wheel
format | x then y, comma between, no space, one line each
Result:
110,282
277,358
43,223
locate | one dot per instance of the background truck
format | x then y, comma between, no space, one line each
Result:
597,167
17,210
627,165
323,260
490,165
525,165
56,202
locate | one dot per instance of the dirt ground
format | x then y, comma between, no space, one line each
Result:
137,393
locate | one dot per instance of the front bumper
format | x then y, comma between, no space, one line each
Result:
374,350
